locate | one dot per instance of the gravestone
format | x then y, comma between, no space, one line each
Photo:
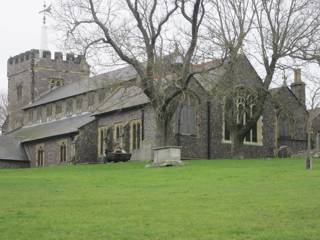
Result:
166,157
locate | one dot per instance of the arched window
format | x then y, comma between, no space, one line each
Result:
138,135
63,152
53,83
186,119
49,111
40,157
252,135
19,93
243,115
101,142
79,104
69,107
134,136
39,114
286,126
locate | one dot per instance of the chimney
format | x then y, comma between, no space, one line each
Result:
298,87
297,75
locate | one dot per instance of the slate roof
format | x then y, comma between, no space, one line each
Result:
51,129
210,79
123,98
276,91
91,84
11,149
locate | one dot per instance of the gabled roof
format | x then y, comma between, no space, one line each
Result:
80,87
275,91
51,129
215,70
11,149
123,98
210,79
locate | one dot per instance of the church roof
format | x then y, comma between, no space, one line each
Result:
123,98
208,80
51,129
11,149
278,92
91,84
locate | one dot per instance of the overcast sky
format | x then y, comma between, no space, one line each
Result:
20,29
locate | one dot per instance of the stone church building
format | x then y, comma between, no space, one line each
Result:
58,114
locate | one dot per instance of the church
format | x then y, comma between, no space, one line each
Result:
59,114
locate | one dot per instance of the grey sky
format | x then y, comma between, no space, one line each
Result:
20,28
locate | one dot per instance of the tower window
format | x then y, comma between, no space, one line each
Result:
55,83
19,93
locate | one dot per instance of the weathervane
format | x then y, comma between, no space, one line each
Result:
46,11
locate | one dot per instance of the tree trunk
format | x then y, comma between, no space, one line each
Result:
276,134
161,133
236,144
309,157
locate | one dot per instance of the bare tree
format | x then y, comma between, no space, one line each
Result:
140,38
3,108
229,24
270,32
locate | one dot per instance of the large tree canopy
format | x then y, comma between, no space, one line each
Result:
163,40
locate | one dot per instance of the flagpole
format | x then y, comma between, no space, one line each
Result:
44,30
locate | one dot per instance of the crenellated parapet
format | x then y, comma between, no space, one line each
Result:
36,54
23,57
47,59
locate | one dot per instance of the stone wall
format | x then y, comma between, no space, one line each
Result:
86,144
51,149
221,149
125,116
14,164
287,103
194,146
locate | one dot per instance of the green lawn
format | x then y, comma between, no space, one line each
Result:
223,199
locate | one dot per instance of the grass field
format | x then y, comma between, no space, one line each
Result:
223,199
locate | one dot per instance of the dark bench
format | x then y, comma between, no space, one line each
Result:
116,157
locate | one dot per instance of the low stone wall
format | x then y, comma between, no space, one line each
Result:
14,164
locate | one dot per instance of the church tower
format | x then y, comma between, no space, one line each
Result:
36,72
32,74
